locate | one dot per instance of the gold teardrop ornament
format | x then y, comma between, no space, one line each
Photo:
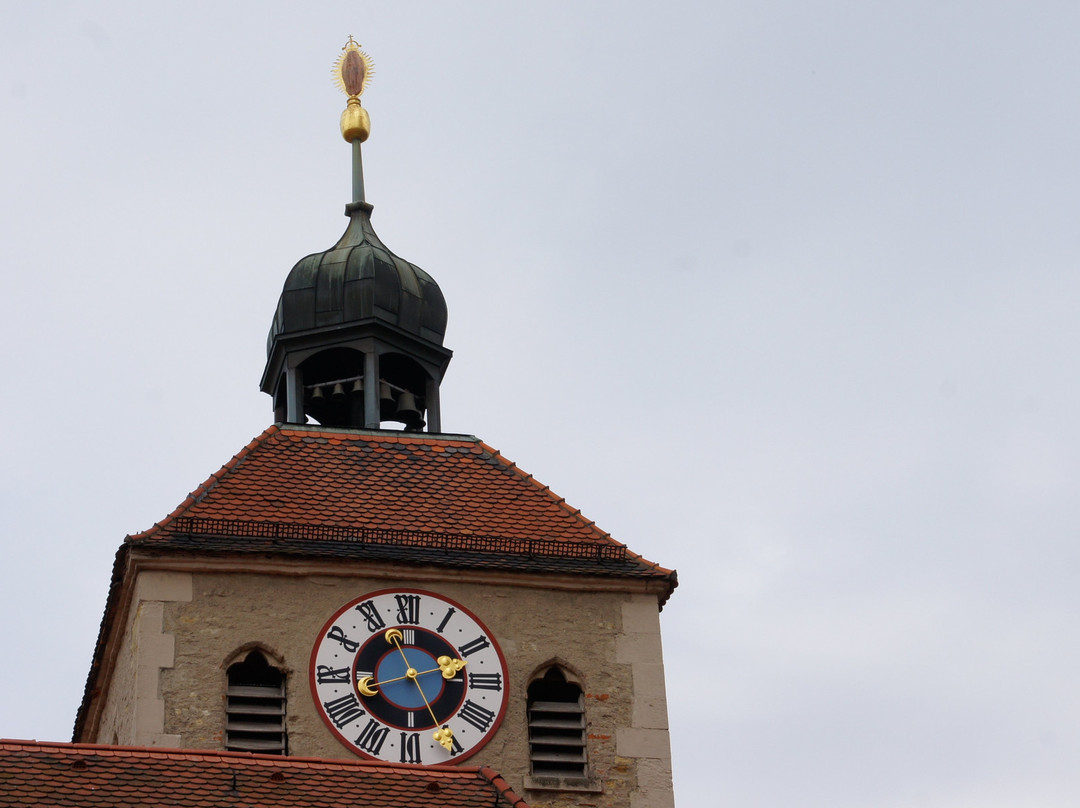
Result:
355,123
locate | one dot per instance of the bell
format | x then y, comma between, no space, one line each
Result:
357,387
317,395
407,411
339,392
386,402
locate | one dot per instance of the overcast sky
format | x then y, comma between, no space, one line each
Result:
782,294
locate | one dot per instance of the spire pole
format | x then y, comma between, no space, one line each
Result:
357,173
352,72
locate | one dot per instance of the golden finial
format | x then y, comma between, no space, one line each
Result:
352,72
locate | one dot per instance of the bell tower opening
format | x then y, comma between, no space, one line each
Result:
334,382
334,387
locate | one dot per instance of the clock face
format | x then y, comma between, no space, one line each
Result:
408,676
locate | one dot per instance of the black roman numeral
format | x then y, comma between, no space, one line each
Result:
455,747
485,681
337,635
325,674
371,615
372,737
476,715
479,644
344,710
446,619
410,747
408,608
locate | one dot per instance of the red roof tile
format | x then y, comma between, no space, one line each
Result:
360,488
56,774
392,480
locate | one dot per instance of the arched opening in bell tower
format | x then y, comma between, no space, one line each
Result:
335,389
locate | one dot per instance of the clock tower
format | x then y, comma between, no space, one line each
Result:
357,583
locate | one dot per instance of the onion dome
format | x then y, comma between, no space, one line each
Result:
358,280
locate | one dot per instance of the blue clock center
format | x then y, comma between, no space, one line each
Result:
405,692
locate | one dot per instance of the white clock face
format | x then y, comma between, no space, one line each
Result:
408,676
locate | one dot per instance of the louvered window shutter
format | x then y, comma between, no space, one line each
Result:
255,707
557,727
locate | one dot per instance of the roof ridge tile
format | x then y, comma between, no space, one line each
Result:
501,786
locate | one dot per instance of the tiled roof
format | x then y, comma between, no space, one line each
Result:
56,774
414,497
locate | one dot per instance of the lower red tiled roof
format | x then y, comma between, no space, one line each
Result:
414,497
57,774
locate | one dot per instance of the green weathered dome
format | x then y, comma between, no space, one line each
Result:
359,280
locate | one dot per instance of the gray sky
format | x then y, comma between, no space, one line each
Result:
782,294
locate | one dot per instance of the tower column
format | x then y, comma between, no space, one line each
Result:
431,397
294,395
371,389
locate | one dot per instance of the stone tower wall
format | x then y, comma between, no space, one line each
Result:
185,628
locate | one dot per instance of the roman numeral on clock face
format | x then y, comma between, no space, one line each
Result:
446,619
455,747
337,635
371,614
485,681
408,608
344,710
410,747
372,737
479,717
325,674
479,644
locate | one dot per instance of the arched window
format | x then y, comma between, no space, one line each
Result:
556,727
255,707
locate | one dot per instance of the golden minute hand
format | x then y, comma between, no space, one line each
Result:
444,735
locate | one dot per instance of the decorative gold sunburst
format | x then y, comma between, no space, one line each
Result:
353,69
